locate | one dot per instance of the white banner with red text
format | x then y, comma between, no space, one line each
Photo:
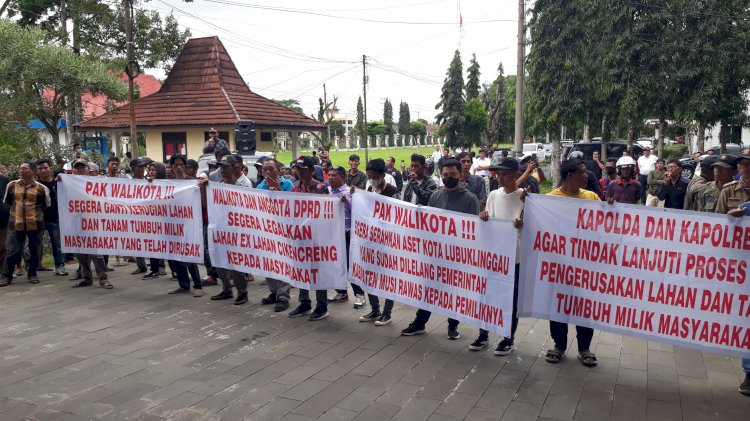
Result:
294,237
446,262
123,217
675,277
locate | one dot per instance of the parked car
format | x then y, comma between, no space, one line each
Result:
537,149
646,142
248,160
614,150
688,163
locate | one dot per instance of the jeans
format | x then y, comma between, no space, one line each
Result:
210,270
14,245
746,365
321,299
514,316
53,229
643,179
423,316
375,304
559,333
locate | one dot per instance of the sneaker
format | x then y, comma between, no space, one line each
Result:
60,270
505,347
339,298
479,343
271,299
745,386
359,301
370,317
281,306
138,271
412,330
384,320
150,275
223,295
453,333
318,315
300,311
241,299
178,291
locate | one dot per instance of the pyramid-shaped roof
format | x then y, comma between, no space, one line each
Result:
204,88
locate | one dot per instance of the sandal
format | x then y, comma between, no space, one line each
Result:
82,284
106,285
554,355
5,282
587,358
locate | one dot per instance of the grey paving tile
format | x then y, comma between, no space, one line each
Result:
521,411
417,409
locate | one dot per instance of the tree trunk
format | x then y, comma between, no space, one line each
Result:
700,143
605,138
586,133
562,132
631,134
660,140
4,6
723,137
555,167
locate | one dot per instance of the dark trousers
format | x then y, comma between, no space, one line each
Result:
559,333
375,304
53,229
643,179
192,269
14,245
356,288
423,316
210,270
183,278
321,299
514,316
154,263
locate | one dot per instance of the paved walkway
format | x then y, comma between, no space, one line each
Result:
137,353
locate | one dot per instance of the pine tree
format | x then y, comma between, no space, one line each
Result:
472,81
360,128
494,101
452,104
388,121
404,119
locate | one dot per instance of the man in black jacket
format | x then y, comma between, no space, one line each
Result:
420,187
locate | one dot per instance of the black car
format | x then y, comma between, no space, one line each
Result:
688,163
614,149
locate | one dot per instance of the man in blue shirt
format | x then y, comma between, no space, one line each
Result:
272,181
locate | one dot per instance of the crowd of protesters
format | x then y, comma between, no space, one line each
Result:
459,182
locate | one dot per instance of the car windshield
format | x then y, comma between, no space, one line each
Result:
529,147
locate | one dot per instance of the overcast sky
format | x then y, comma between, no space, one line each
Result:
288,48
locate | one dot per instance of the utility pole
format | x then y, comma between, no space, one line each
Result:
364,104
520,56
127,4
325,107
69,101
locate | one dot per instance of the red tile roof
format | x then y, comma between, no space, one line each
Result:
204,88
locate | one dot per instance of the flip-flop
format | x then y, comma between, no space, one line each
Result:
106,285
554,355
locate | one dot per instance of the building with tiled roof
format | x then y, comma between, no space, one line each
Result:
203,90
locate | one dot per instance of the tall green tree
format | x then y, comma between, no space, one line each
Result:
475,122
36,76
360,127
472,80
404,119
388,121
292,104
452,103
495,104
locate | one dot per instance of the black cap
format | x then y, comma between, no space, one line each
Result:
724,161
741,157
304,162
504,164
138,162
260,161
191,163
227,160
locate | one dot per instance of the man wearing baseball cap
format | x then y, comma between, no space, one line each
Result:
504,203
307,184
214,143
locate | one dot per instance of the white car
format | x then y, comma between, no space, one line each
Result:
535,149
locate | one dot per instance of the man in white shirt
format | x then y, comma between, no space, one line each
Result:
504,203
481,165
437,154
646,164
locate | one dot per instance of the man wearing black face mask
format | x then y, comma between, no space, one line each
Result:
610,175
453,197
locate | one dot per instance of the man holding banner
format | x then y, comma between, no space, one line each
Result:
574,177
453,197
307,184
504,203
